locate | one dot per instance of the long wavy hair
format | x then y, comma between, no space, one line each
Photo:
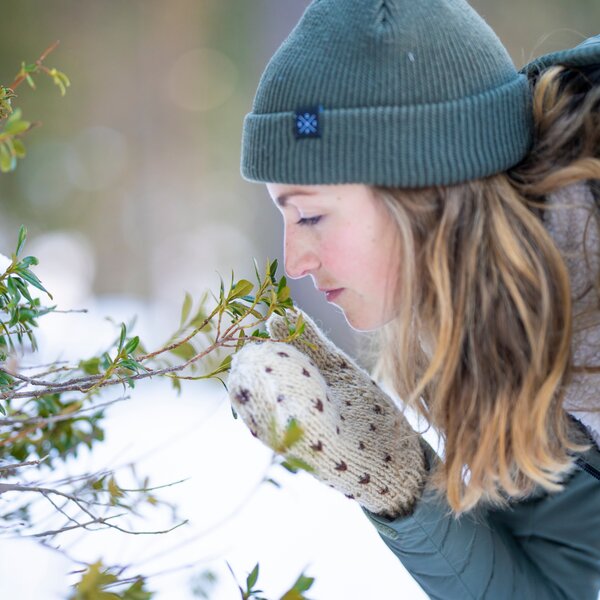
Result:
481,344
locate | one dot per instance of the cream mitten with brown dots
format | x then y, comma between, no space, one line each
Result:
354,437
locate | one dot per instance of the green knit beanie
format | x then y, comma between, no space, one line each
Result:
405,93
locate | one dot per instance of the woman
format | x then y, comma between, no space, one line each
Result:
444,199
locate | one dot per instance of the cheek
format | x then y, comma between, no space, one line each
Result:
350,253
379,258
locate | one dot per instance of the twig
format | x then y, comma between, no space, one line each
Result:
62,511
23,464
42,421
156,487
20,78
79,502
58,362
53,532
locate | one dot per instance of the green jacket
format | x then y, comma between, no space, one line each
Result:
544,548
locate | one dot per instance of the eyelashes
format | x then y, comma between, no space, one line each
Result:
309,221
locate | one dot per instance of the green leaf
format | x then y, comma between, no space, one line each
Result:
221,290
92,583
273,269
98,484
283,291
260,334
290,467
300,325
252,578
13,290
132,344
273,482
28,261
15,115
293,464
114,490
256,269
303,583
242,288
186,308
122,336
184,351
132,365
137,592
293,434
21,239
176,383
90,366
199,319
23,288
106,361
60,80
223,367
7,161
15,127
241,340
28,276
19,148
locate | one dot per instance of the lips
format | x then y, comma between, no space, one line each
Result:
331,295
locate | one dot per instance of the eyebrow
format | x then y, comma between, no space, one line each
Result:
283,198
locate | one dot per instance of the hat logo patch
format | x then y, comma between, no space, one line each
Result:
307,123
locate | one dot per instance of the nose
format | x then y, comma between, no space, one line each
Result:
300,258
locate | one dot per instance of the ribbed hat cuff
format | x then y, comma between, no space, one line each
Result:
401,146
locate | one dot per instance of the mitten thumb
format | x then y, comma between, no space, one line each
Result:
312,342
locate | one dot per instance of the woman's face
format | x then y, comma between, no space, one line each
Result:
344,238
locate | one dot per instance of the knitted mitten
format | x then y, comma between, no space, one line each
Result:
354,437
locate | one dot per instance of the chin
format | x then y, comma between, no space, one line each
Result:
365,323
362,325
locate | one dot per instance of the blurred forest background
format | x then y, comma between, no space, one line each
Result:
132,184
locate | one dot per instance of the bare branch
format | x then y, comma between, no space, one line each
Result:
156,487
61,510
43,421
23,464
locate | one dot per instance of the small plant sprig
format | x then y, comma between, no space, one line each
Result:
19,311
295,592
52,411
201,337
12,125
99,582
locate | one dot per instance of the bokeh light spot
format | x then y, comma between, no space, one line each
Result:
43,178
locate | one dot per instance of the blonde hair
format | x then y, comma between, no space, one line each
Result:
481,344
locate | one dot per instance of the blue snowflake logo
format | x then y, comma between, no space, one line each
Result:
307,122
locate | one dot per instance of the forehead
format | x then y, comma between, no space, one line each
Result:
282,193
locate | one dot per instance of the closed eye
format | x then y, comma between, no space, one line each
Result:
309,221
